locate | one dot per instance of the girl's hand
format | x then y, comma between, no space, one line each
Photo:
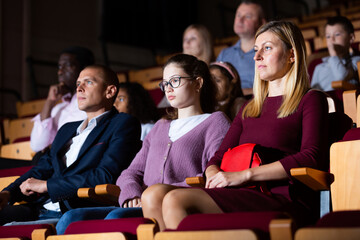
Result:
225,179
135,202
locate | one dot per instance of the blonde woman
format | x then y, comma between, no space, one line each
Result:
197,41
287,120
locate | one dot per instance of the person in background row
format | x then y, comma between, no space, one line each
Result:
54,114
197,41
248,18
230,96
136,101
341,64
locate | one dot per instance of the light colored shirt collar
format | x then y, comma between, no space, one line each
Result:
91,124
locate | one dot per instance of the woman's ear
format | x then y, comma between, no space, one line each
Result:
352,38
110,91
292,56
199,83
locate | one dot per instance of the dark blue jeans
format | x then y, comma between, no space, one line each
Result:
81,214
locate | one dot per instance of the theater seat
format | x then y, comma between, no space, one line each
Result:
125,228
240,225
333,226
34,232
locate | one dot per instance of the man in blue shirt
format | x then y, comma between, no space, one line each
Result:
249,17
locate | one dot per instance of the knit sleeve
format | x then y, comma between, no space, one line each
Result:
314,124
231,140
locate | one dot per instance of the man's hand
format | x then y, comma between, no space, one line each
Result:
32,185
135,202
4,199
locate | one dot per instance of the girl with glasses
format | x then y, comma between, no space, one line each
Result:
177,147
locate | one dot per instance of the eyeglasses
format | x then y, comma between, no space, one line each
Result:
174,82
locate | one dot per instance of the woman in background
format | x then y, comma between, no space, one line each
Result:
136,101
230,96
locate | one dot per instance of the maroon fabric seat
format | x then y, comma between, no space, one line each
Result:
340,219
156,95
127,226
22,139
352,134
14,171
23,231
256,221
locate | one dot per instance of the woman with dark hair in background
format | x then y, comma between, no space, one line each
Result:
136,101
230,96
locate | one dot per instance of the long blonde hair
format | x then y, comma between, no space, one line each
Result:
208,54
297,80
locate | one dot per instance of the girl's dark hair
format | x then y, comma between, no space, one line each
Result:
234,90
197,68
140,103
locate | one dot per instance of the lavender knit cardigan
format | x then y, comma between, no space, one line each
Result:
162,161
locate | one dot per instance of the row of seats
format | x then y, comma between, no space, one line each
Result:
344,196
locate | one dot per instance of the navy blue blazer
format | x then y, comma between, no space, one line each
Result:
106,152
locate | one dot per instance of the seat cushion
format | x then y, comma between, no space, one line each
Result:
14,171
352,134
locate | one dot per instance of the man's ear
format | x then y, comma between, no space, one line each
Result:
110,91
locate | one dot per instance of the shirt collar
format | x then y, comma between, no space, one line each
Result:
92,123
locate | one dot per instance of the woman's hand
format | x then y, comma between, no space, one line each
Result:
135,202
225,179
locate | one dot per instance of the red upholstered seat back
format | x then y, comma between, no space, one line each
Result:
127,226
22,231
340,219
352,134
239,220
14,171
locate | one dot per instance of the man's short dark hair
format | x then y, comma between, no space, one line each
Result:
343,21
109,77
262,14
84,56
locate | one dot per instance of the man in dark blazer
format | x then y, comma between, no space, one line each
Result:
83,154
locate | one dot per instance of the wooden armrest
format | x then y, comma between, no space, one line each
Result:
282,229
343,85
86,192
195,181
147,231
110,192
105,189
315,179
103,198
42,233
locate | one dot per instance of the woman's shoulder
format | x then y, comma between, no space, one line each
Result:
218,117
314,96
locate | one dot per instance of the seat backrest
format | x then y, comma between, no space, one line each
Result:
20,128
345,165
20,150
23,231
315,59
30,108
